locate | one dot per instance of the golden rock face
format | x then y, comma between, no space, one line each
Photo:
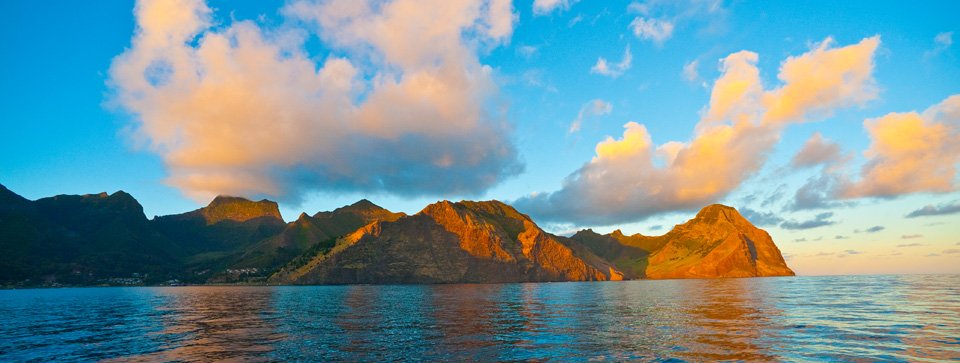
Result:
492,242
718,242
455,242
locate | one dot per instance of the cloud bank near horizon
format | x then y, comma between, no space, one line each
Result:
401,103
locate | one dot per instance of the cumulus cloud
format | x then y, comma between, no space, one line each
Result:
817,150
596,107
238,108
820,220
656,30
910,152
875,229
631,178
936,210
605,68
544,7
822,80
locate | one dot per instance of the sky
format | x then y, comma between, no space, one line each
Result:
833,126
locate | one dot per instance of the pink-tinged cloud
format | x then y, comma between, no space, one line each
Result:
631,178
402,103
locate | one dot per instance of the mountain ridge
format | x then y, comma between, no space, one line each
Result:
69,239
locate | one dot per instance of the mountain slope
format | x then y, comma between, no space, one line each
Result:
79,239
105,238
306,232
215,236
718,242
451,242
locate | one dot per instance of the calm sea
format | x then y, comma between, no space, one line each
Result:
846,318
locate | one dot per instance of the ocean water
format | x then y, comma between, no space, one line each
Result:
842,318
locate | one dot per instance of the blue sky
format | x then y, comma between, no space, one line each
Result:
69,130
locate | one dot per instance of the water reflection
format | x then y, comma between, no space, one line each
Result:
728,320
213,323
469,316
872,318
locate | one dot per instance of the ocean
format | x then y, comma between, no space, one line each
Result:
823,318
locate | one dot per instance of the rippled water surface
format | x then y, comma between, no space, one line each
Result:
849,318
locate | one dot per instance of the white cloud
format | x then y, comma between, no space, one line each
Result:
527,51
631,178
241,109
690,72
657,30
941,42
596,107
944,39
544,7
604,68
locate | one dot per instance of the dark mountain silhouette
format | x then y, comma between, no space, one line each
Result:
106,239
77,239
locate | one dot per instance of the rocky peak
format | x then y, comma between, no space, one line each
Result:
364,204
239,209
118,202
492,209
363,208
718,242
718,214
584,233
